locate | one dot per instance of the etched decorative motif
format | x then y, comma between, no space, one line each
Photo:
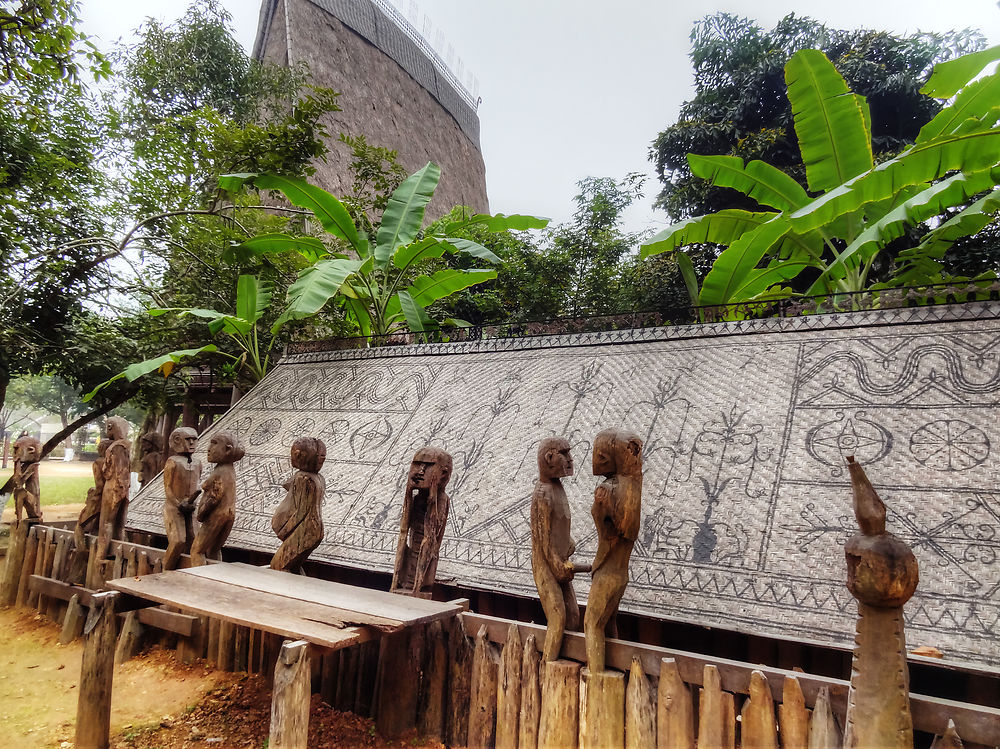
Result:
950,445
745,505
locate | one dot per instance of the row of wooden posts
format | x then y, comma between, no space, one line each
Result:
486,690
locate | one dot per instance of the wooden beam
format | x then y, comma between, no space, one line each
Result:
976,723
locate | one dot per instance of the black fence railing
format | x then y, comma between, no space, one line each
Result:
882,299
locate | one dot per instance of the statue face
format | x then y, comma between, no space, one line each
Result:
428,469
219,449
116,428
27,450
555,460
183,440
308,454
604,456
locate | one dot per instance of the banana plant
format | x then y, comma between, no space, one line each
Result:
860,206
377,283
252,299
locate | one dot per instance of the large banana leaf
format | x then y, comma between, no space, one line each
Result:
414,252
948,77
833,125
426,290
310,248
973,101
499,222
404,213
416,316
721,227
315,287
217,321
472,249
357,309
165,364
766,184
754,284
252,298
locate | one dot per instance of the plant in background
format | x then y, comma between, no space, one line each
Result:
948,177
378,284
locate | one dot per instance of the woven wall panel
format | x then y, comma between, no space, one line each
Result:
746,504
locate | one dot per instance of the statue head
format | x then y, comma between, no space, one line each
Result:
554,459
27,450
430,469
151,442
308,454
183,440
116,428
225,447
617,451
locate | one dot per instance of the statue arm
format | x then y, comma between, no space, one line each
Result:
541,529
404,530
211,496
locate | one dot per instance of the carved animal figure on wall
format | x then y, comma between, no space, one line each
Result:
151,449
421,526
552,545
90,516
616,511
217,508
882,574
27,494
298,520
181,475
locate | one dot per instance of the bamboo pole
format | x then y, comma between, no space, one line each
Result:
290,697
93,713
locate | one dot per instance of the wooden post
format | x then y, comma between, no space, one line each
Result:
399,682
459,683
483,695
823,730
531,695
431,707
509,690
213,642
949,739
142,564
14,562
329,673
28,565
675,709
47,559
52,609
41,532
241,642
603,718
640,715
711,711
191,648
290,698
93,713
347,681
758,729
559,724
364,701
73,622
225,656
130,639
793,717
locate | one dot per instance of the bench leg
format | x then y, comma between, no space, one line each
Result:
290,698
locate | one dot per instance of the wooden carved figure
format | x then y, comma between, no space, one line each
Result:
114,495
90,515
151,448
217,508
27,453
181,476
552,545
616,511
421,527
298,521
882,574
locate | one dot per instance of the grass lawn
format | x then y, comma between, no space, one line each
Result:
61,483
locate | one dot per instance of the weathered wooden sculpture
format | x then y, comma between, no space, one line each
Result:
616,512
217,508
882,574
298,521
27,496
114,495
90,515
421,527
151,449
552,545
181,476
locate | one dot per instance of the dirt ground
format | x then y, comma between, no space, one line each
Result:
157,703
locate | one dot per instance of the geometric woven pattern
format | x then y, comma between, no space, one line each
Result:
746,503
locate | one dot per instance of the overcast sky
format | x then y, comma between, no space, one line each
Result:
579,88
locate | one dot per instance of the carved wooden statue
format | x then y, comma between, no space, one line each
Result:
421,527
27,497
90,515
882,574
616,512
298,521
552,545
181,476
217,508
114,495
151,447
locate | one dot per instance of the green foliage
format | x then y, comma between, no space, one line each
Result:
377,174
839,235
379,285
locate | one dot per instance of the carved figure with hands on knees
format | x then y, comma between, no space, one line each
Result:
298,520
552,545
181,475
616,511
217,508
421,526
27,493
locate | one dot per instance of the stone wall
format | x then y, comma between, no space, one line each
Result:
390,92
746,503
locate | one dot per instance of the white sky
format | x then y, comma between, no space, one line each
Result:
579,88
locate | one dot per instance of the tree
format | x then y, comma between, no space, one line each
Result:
740,108
47,393
949,176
